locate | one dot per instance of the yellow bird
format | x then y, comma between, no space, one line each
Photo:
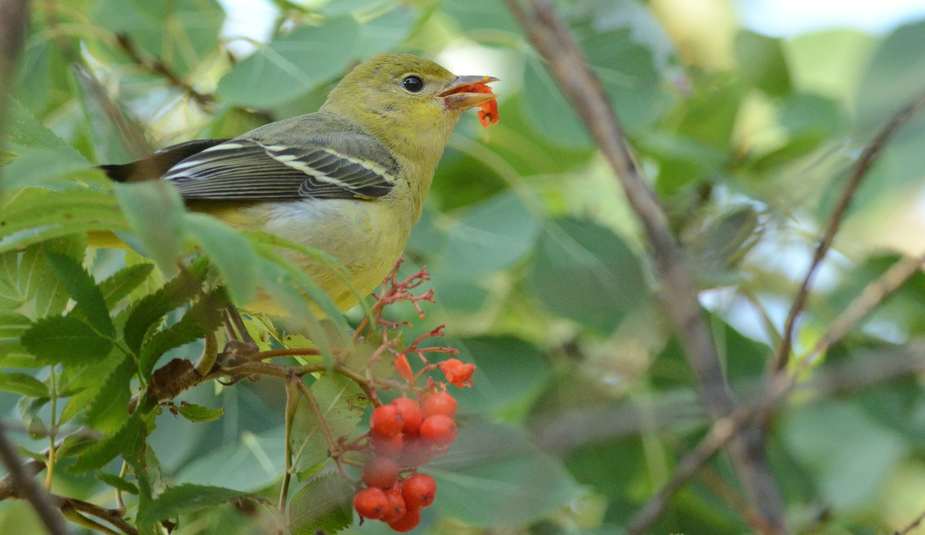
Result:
349,179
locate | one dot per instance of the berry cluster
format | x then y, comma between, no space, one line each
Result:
404,435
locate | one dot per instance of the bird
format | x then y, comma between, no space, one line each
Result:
349,179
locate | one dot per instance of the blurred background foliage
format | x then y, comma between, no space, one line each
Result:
540,269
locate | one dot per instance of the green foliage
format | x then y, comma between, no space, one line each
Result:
540,268
185,498
323,504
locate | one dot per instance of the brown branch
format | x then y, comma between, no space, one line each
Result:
159,68
111,516
581,86
919,520
844,379
871,152
24,486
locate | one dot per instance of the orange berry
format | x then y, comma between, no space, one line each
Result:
408,521
396,507
439,430
386,421
380,472
439,403
370,503
410,413
419,491
403,368
457,372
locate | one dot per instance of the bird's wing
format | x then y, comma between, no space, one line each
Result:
288,161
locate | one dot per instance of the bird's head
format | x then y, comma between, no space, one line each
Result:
408,101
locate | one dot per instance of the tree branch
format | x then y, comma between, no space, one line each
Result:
578,83
871,152
159,68
25,486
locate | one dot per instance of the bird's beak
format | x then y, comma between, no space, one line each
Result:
463,92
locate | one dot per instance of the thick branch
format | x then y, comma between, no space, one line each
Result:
863,165
579,84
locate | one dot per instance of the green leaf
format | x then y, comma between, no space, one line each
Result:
23,128
82,288
126,441
154,210
509,372
489,237
894,76
384,32
762,63
85,382
117,482
231,253
585,272
12,327
22,384
151,308
828,437
65,339
201,319
199,413
291,64
494,477
185,498
180,33
107,410
250,462
121,283
35,215
324,504
342,404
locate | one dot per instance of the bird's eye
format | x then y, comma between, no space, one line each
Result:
412,83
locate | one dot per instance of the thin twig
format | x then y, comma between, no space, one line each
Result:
292,398
159,68
723,430
26,487
333,449
112,516
577,81
871,152
844,379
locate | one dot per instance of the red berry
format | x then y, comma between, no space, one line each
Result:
410,413
396,507
439,430
439,403
370,503
386,421
407,522
457,372
380,472
389,446
419,491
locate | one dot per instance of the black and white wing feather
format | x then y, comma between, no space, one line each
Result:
245,169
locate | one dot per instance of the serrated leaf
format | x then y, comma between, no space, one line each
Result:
185,498
82,288
341,403
117,482
67,340
324,504
125,441
151,308
84,382
201,319
107,410
231,253
199,413
22,384
154,210
121,283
